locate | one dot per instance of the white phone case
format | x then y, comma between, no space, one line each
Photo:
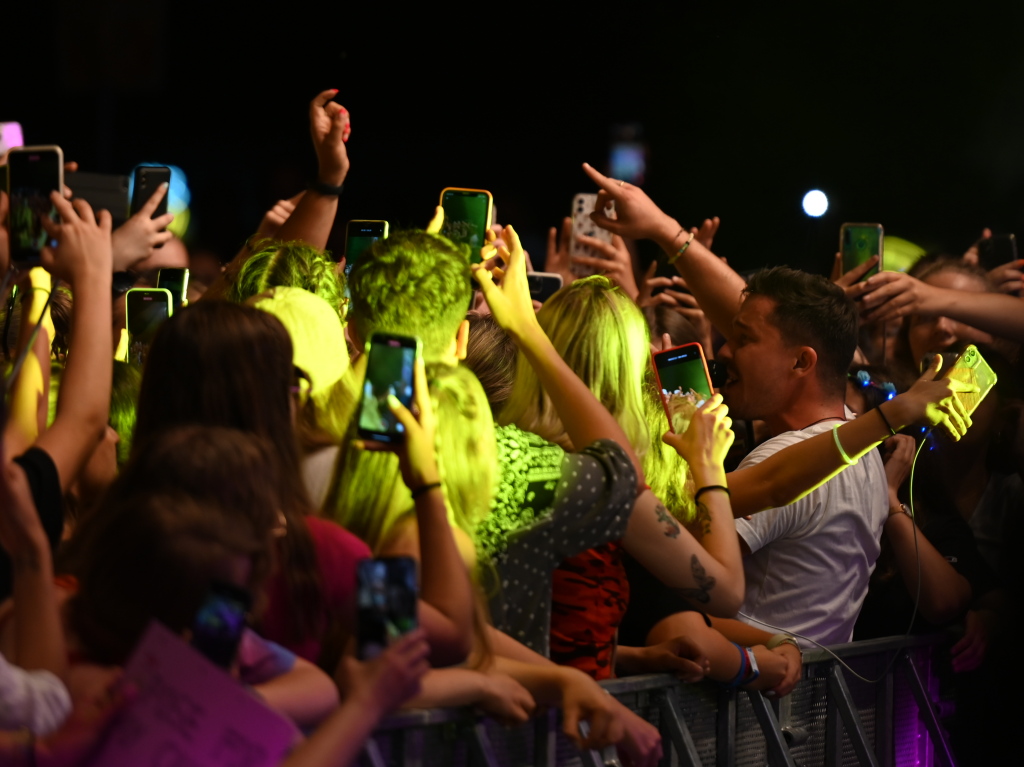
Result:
582,207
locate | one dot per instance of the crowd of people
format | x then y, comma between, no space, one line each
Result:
837,485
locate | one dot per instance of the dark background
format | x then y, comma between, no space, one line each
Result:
901,115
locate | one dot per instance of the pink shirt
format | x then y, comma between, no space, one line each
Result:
337,552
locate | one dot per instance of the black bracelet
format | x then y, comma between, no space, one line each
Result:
326,189
888,425
708,489
425,489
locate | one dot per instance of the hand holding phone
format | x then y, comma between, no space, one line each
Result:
33,173
858,243
386,600
707,439
468,214
411,436
684,383
146,309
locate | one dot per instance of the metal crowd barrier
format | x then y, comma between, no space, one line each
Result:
832,718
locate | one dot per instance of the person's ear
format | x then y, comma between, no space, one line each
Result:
806,361
462,340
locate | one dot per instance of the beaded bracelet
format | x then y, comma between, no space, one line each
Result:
682,249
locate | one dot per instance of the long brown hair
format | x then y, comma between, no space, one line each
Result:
222,364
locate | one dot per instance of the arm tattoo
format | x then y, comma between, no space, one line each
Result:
705,583
672,526
703,518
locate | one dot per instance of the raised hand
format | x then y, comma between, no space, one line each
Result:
83,241
899,457
1008,278
274,218
932,401
510,302
558,260
889,295
505,699
705,234
330,127
707,440
615,262
136,238
436,222
636,215
390,679
417,456
849,279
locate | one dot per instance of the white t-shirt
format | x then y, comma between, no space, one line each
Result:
810,561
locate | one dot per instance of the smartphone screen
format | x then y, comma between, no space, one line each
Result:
359,237
467,216
219,622
389,370
970,367
386,596
684,382
146,309
33,172
176,281
543,285
858,243
145,182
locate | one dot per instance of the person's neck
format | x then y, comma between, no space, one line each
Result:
803,413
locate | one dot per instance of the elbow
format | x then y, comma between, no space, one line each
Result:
451,651
728,601
947,605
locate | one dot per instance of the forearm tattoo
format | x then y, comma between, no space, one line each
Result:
703,518
705,583
671,526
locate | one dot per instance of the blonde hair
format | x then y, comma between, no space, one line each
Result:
603,337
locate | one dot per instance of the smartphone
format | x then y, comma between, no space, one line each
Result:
582,206
146,309
146,181
543,285
33,172
389,370
468,214
858,243
971,367
386,596
684,382
359,236
997,250
219,623
102,191
176,281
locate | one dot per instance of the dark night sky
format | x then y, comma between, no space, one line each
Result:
901,117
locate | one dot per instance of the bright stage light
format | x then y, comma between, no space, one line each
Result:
815,203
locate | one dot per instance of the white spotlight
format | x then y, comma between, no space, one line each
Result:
815,203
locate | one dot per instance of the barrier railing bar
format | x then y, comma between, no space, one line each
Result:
372,754
833,733
544,740
482,745
851,717
673,725
412,747
725,747
885,693
778,751
927,710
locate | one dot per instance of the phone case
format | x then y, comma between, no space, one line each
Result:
582,207
972,368
852,259
147,179
543,285
680,406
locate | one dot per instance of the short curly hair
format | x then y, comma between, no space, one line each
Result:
415,284
276,264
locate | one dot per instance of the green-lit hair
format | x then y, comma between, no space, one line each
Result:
288,264
367,495
413,284
603,337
